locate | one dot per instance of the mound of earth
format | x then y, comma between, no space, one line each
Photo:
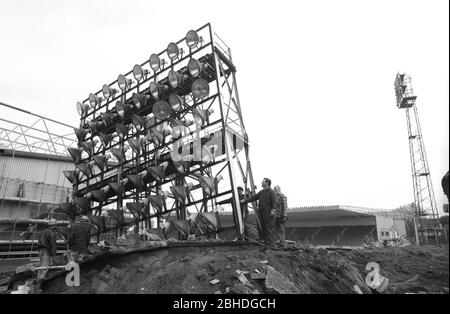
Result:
307,270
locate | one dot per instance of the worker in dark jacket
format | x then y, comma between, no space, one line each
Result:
244,209
79,238
445,185
47,247
268,204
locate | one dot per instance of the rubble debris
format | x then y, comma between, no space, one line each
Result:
357,289
5,281
240,288
239,274
258,276
278,283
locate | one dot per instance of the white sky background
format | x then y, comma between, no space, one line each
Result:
315,80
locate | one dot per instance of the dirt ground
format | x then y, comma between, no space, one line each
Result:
309,270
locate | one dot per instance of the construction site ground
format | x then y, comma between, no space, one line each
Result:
300,269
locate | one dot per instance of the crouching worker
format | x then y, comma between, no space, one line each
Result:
47,247
79,238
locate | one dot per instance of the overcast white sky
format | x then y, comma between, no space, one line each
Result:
315,80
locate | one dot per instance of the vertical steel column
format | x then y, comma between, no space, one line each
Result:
228,147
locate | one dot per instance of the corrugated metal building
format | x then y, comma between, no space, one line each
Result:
31,183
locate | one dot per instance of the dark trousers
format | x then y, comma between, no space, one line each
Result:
280,229
267,222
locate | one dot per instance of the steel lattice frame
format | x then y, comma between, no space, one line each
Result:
222,133
38,137
424,200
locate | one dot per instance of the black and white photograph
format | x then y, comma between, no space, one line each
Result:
223,155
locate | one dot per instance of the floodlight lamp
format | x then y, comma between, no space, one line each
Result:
107,118
96,195
201,116
173,51
138,122
80,133
175,79
192,39
155,62
179,192
101,161
195,67
86,169
136,180
156,90
207,184
75,153
105,139
150,121
139,100
182,164
121,108
157,136
157,202
124,82
94,125
158,172
122,130
94,100
72,176
118,154
135,145
175,102
89,146
82,108
117,187
162,110
200,88
136,209
139,73
108,92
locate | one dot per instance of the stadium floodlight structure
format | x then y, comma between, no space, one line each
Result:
425,210
175,134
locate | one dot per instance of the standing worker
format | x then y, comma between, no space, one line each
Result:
79,238
281,216
47,247
268,205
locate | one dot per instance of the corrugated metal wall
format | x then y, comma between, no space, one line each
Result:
30,187
35,170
